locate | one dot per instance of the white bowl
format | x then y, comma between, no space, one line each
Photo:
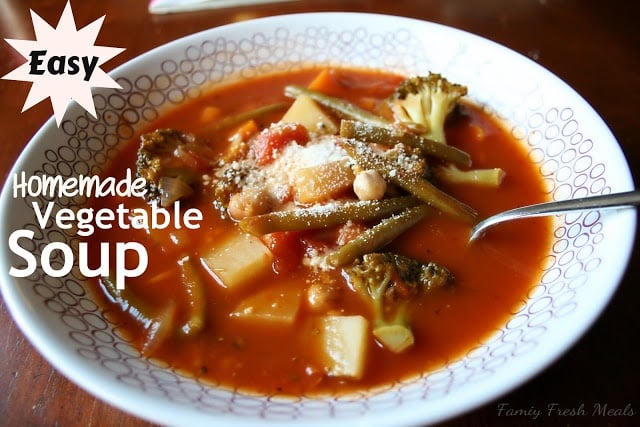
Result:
571,146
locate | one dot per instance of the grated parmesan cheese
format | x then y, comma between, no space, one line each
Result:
278,177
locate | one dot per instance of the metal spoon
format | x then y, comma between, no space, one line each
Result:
551,208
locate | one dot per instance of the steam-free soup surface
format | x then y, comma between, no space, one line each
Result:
492,276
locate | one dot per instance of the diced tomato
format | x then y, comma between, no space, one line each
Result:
334,236
268,142
287,249
195,157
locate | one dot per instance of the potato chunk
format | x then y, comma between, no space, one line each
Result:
343,342
395,338
306,112
323,182
237,260
278,304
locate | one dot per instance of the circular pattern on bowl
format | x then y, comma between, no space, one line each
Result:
572,148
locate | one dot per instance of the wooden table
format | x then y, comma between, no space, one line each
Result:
592,45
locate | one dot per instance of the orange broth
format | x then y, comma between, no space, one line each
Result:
492,275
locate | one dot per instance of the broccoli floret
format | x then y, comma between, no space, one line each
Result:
389,281
172,163
424,102
228,179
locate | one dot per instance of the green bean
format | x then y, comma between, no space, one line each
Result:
196,297
321,216
378,236
160,329
158,326
242,117
127,301
338,105
489,177
394,172
386,136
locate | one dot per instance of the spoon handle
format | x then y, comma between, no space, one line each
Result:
628,198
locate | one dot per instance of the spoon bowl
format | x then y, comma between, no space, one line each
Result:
607,201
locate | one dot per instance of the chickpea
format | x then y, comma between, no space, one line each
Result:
249,202
369,185
321,297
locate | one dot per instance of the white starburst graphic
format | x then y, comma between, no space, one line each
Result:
63,64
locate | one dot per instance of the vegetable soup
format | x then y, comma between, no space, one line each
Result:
332,253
